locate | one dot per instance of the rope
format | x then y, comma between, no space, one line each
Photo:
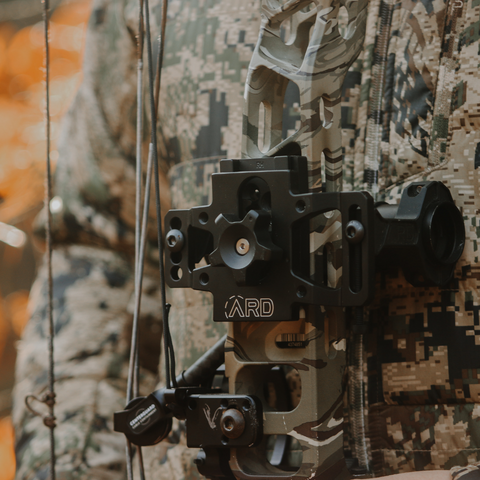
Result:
49,397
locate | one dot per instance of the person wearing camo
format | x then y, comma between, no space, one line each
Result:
419,65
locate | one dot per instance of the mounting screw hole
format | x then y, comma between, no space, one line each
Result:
176,273
175,223
176,257
414,190
246,405
204,279
203,218
301,291
300,206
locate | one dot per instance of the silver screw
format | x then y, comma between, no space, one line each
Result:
175,240
243,246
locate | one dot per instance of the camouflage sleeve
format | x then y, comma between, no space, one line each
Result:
415,422
93,283
92,314
207,54
95,174
207,51
422,388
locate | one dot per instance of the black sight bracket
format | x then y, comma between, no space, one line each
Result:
252,248
255,239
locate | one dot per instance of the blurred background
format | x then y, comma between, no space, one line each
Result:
22,161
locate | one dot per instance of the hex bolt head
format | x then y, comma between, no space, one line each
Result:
232,423
175,240
354,231
243,246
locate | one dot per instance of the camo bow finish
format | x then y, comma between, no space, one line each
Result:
315,57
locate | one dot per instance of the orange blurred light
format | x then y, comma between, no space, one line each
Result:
24,57
16,306
7,455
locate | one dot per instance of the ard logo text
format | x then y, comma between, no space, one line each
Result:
239,307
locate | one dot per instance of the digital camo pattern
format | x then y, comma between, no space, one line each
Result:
208,48
403,47
422,351
93,306
429,130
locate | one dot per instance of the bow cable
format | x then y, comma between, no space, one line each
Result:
140,247
141,230
168,344
138,190
133,370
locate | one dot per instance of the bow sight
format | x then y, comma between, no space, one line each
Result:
251,248
255,237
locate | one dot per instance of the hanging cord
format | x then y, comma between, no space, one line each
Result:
357,402
132,388
49,397
48,197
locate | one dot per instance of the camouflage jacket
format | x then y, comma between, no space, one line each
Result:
422,350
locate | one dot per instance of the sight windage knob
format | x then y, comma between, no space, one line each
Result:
245,246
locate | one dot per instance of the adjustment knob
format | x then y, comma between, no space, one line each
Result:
232,423
245,246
